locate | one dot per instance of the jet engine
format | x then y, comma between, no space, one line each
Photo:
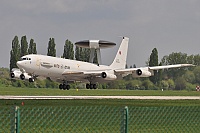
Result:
16,73
108,76
25,76
142,73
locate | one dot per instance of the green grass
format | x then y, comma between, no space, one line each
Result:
84,92
103,115
100,102
92,115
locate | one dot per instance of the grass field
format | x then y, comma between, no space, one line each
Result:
113,102
97,102
84,92
151,115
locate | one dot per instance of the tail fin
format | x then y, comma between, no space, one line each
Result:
120,58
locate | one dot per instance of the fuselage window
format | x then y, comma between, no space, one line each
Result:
67,67
23,58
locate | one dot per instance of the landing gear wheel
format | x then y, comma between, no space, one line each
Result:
94,86
87,86
31,79
67,87
91,86
61,86
64,86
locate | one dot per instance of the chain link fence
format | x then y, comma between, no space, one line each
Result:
99,119
164,119
5,119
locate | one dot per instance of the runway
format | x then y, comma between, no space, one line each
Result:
103,97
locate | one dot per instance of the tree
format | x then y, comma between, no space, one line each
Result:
83,54
189,76
14,53
171,84
77,53
175,58
51,48
24,46
32,47
196,59
159,74
133,84
154,62
196,72
180,83
164,85
68,50
148,84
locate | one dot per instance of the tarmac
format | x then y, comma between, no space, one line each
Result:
105,97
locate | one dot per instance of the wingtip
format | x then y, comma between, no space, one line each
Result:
188,65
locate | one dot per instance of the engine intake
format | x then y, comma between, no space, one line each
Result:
142,73
15,73
139,72
108,76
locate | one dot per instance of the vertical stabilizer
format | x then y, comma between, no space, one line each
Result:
120,59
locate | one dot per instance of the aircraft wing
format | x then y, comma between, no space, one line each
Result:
147,71
81,73
170,66
105,74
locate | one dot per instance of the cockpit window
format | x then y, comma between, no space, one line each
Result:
25,58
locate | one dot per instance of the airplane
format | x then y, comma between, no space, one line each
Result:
66,71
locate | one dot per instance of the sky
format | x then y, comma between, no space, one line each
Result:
168,25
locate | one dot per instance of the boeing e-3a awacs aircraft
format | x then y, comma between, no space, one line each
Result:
66,70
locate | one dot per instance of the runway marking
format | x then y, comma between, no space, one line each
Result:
105,97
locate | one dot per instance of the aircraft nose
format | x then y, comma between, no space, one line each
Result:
19,64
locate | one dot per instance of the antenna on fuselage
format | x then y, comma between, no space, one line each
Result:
95,45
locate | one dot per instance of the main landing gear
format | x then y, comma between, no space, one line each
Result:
64,87
91,86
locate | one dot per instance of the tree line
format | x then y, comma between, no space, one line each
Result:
18,50
176,78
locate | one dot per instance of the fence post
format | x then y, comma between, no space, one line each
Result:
126,119
15,120
124,122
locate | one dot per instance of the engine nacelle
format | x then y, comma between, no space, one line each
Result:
16,73
142,73
108,76
25,76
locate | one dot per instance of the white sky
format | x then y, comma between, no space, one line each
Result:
168,25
